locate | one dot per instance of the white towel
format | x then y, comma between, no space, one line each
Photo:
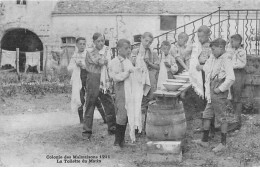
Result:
145,73
76,80
8,57
163,75
104,78
195,75
33,58
133,99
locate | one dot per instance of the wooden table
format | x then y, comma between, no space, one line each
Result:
165,93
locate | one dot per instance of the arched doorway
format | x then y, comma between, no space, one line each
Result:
26,41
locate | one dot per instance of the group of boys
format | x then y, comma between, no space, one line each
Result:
151,69
221,68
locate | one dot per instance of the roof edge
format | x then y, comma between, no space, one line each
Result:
126,14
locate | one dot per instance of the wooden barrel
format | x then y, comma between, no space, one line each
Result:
165,122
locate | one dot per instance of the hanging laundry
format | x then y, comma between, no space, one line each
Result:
33,58
8,57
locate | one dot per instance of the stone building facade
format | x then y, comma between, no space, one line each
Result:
57,23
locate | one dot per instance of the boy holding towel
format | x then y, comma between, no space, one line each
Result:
120,69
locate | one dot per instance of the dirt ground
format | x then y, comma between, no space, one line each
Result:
35,131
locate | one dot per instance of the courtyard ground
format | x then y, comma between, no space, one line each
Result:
35,128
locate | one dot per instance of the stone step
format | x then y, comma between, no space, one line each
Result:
164,157
171,147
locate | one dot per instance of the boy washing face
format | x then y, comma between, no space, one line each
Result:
168,59
182,51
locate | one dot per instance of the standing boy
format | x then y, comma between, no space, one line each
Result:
182,51
147,59
219,78
78,79
239,63
168,66
94,62
200,54
119,70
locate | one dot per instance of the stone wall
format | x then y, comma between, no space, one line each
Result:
252,83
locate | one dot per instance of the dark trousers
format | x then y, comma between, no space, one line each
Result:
83,77
203,80
98,103
180,68
121,112
92,95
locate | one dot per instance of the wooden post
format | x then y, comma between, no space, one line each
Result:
17,60
219,33
0,56
45,53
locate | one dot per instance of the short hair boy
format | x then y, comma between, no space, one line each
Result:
168,59
220,77
119,70
239,63
182,51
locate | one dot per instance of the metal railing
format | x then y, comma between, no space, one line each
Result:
223,23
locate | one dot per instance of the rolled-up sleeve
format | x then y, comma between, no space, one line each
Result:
230,76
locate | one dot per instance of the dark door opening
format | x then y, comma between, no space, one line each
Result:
26,41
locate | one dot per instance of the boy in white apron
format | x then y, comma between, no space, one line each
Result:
200,54
145,58
119,70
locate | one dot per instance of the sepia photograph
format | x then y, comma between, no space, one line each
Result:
129,83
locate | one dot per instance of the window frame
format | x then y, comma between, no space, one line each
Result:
69,41
165,19
21,2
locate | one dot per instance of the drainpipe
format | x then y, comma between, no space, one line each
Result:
219,21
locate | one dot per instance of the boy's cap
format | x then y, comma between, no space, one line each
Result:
218,42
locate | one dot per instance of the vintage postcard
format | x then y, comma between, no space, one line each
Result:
129,83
